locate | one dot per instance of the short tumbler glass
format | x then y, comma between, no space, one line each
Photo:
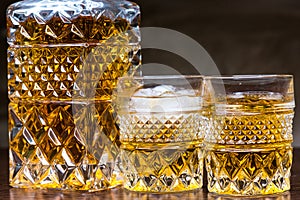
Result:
249,149
161,132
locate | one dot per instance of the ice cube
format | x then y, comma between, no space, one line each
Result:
161,90
164,98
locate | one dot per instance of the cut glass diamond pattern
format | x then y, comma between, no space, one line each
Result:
156,173
249,173
63,160
258,129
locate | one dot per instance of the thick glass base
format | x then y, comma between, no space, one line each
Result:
162,170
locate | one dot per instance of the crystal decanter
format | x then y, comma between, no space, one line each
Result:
64,59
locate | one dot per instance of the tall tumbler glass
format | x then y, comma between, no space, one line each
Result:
161,132
249,149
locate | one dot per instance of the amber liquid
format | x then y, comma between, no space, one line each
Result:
62,130
253,153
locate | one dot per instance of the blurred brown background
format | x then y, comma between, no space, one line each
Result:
242,37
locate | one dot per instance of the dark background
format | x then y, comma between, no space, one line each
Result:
242,37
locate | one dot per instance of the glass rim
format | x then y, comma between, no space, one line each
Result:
161,77
248,76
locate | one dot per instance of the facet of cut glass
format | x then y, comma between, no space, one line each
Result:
64,59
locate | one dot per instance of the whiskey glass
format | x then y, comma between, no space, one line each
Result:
161,132
248,151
